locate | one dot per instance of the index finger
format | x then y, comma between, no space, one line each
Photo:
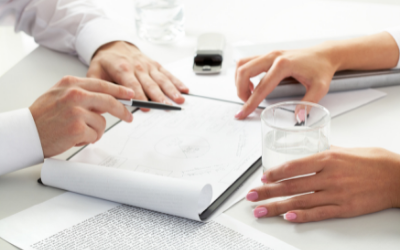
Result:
103,103
250,69
273,77
101,86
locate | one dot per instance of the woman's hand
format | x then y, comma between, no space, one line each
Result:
313,67
347,183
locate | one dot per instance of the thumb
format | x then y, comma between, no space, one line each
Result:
314,94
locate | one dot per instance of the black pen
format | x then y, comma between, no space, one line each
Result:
149,105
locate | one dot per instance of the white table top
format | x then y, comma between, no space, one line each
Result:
257,21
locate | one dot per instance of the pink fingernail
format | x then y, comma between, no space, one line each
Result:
301,115
264,178
290,216
252,196
239,114
260,212
176,96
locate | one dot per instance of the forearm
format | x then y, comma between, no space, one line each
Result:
378,51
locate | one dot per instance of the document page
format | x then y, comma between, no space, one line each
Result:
72,221
202,143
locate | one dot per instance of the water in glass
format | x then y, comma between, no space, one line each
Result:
160,21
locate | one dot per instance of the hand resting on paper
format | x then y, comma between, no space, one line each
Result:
69,114
125,64
347,183
313,67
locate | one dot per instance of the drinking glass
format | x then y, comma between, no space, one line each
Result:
293,130
160,21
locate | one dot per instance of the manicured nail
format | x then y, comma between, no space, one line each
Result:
239,114
264,178
252,196
260,212
301,116
290,216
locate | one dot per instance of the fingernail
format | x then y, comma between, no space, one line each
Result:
264,178
252,196
177,95
239,114
301,116
130,92
130,117
290,216
166,102
260,212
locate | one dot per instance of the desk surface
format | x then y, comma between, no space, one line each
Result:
259,21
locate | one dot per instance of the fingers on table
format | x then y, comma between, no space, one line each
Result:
314,214
286,188
178,84
167,86
301,202
311,164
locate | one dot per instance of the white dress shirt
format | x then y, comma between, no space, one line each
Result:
76,27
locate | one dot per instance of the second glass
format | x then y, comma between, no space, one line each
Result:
160,21
293,130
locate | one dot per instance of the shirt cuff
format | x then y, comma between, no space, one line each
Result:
96,33
395,32
19,141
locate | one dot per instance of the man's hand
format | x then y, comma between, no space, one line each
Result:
347,183
69,114
123,63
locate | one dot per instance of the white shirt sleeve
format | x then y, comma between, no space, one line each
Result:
19,141
395,32
76,27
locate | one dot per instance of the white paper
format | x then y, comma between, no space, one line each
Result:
159,193
204,143
71,221
222,86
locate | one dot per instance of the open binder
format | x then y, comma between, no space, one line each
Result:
183,163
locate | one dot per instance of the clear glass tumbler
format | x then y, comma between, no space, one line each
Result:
293,130
160,21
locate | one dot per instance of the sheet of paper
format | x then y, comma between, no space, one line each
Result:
222,86
72,221
159,193
204,142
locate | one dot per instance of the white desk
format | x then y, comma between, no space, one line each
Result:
258,21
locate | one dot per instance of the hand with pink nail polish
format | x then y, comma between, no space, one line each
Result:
347,183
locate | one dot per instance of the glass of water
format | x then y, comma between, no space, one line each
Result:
293,130
160,21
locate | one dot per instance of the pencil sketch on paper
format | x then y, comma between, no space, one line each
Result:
183,146
149,170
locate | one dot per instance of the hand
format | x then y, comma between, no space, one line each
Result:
347,183
123,63
311,67
69,114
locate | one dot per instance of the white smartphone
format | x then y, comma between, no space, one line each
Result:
209,53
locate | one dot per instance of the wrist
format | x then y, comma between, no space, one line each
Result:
115,45
332,53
